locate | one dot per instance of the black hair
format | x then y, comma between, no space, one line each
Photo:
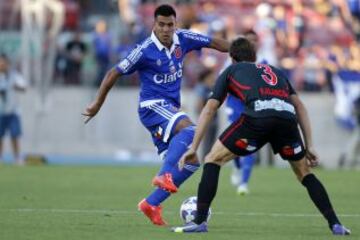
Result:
241,49
165,10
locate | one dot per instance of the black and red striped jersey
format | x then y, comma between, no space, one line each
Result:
263,89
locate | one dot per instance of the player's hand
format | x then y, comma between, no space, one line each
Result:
189,156
311,157
91,111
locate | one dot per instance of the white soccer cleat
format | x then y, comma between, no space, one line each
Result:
242,190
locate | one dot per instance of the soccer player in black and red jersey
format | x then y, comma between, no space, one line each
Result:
272,114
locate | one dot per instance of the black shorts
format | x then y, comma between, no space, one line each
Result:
248,134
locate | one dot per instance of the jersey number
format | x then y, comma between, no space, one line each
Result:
269,77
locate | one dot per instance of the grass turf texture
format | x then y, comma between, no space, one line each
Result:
57,202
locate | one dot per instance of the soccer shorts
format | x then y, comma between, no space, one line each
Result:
248,134
11,123
160,118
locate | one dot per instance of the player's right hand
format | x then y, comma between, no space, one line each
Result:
91,111
312,157
189,156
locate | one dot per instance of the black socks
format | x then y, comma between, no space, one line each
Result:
207,190
320,198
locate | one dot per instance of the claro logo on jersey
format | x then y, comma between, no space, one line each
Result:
168,78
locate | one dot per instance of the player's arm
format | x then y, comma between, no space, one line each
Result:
206,116
217,97
304,122
107,83
196,41
303,118
126,66
220,44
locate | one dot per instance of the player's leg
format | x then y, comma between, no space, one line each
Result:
15,133
170,177
235,177
247,166
234,141
217,157
318,195
3,126
290,146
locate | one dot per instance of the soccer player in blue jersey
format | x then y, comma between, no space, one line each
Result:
159,62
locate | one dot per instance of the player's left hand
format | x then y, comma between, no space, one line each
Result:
91,111
311,157
189,156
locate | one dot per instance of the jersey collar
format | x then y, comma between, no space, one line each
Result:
160,46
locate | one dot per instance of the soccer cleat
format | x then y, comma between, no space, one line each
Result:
242,190
338,229
152,212
191,227
165,182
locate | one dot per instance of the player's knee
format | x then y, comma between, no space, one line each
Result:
183,124
213,158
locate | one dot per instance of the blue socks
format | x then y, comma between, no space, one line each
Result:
245,163
177,147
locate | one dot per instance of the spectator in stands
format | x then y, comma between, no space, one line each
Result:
102,47
75,51
11,82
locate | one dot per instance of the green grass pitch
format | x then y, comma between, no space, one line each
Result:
64,202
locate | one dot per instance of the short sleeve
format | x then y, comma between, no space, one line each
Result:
132,62
194,41
220,89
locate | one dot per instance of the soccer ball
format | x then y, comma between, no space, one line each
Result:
188,210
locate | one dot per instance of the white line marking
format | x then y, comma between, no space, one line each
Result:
126,212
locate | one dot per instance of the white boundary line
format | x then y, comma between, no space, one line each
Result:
126,212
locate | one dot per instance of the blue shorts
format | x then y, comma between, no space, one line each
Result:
10,122
160,118
234,108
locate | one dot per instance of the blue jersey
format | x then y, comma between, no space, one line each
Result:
161,69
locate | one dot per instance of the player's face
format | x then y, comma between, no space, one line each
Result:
164,29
